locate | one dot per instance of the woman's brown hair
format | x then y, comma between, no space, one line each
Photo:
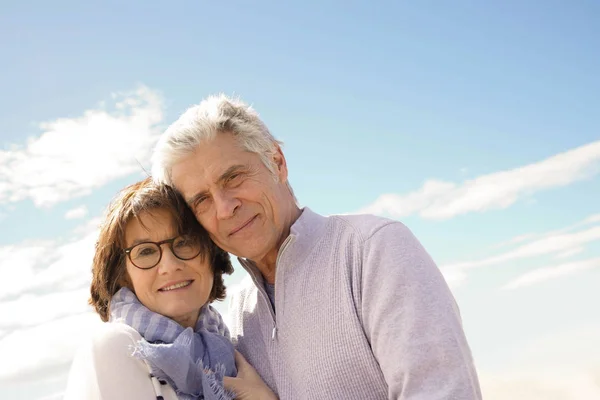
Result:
108,269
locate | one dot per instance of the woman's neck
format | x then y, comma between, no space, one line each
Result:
188,320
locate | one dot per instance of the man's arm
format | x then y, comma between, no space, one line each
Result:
412,321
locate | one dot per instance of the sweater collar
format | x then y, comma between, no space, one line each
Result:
305,233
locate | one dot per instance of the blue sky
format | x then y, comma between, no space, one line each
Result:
473,123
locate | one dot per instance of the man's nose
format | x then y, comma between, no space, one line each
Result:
226,205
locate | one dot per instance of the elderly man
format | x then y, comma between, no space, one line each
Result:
338,307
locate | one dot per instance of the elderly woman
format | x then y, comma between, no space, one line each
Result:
155,272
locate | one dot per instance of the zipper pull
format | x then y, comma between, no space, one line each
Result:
274,333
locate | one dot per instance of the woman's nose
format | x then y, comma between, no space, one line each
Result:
168,261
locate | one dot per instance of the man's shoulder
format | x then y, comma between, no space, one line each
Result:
365,225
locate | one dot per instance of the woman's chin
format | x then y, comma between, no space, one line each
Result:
189,315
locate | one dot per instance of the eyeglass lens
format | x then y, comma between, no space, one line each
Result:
147,255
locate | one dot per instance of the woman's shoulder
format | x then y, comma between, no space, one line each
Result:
113,337
104,367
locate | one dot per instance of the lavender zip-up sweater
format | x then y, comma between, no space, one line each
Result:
362,312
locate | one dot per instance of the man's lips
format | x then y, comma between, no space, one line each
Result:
245,224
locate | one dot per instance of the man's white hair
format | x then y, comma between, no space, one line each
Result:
214,115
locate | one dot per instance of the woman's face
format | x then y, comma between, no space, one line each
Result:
174,288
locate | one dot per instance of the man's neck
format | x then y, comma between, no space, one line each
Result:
268,264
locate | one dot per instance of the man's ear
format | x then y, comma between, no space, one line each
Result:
280,164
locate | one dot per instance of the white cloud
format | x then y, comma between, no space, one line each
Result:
75,155
570,253
592,219
41,350
33,309
454,276
559,243
582,385
517,239
54,396
543,274
562,366
441,200
44,314
76,213
46,266
562,243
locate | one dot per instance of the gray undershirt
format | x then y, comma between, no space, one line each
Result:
270,288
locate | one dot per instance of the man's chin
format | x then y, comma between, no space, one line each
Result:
248,255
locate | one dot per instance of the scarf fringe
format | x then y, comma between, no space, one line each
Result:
214,378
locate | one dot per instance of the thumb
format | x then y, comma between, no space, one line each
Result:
245,370
235,385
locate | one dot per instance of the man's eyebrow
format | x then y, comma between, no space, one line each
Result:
192,200
223,178
230,171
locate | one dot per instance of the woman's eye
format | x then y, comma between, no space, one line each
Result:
183,242
146,251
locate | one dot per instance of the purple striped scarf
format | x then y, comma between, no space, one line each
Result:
176,354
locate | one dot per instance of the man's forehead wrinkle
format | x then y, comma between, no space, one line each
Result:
215,179
244,166
252,168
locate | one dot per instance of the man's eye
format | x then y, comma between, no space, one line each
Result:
234,178
201,204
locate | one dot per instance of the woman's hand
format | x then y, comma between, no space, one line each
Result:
248,385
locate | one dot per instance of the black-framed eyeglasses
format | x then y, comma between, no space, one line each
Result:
147,255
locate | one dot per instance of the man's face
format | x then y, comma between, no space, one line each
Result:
235,197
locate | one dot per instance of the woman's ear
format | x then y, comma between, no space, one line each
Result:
124,280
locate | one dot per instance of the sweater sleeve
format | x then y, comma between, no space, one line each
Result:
103,369
412,321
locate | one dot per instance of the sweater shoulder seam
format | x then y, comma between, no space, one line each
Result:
362,238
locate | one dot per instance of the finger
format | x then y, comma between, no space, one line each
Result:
244,369
239,359
229,382
234,385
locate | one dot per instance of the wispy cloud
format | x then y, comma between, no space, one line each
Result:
33,309
76,213
44,314
543,274
548,245
562,366
562,243
46,266
54,396
570,253
592,219
43,350
442,200
74,155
